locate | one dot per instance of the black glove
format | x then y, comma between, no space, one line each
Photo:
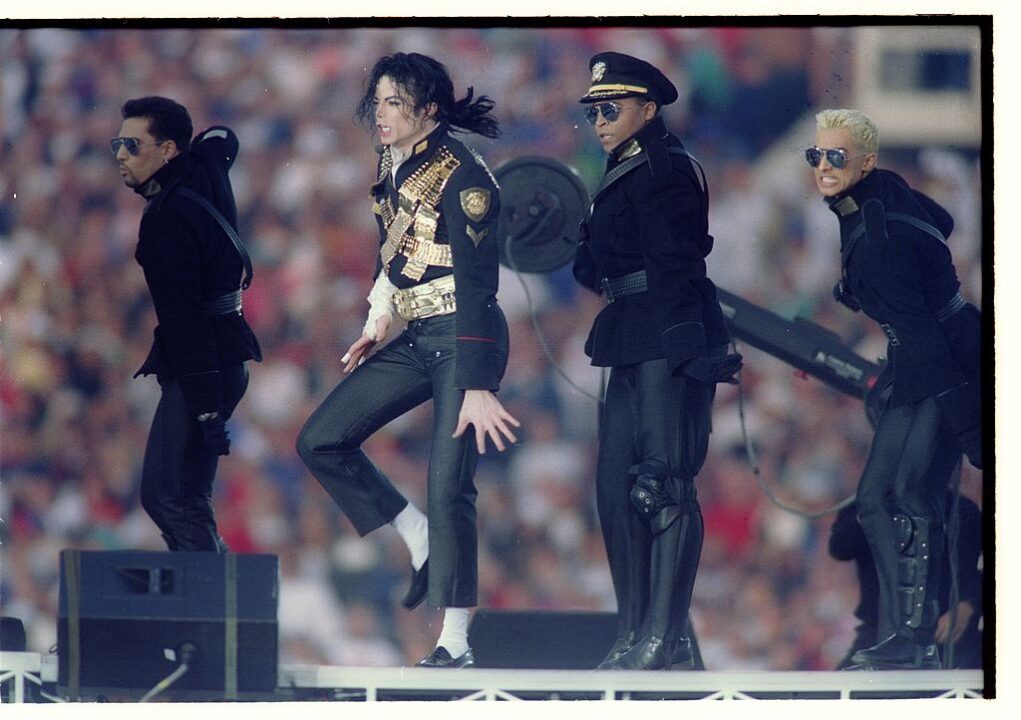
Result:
715,369
214,434
843,296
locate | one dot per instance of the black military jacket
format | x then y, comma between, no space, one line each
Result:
903,280
187,258
655,218
437,217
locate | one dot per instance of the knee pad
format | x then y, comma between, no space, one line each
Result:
659,496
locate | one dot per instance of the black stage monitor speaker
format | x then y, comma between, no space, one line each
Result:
522,639
128,619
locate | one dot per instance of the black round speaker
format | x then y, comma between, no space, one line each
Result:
542,203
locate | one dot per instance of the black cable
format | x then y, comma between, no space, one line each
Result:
533,316
185,652
757,471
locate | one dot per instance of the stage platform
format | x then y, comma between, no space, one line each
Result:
332,683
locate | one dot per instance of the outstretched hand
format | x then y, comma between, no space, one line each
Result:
482,409
361,348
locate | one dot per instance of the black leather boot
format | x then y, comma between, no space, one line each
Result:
911,647
683,656
619,647
649,653
899,651
675,552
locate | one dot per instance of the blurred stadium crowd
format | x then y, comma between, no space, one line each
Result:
76,323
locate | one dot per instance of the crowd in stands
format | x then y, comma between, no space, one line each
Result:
76,322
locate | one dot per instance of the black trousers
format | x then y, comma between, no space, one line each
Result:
909,464
648,415
416,366
178,469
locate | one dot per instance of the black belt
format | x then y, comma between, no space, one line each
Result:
891,334
952,306
949,309
618,287
223,305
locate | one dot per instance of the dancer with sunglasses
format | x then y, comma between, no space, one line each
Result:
193,269
897,269
663,336
436,205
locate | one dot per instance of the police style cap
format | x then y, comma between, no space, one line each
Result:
615,75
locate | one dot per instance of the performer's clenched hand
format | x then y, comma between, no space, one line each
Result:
481,409
214,434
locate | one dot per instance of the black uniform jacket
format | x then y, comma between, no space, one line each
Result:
903,281
187,258
655,218
465,214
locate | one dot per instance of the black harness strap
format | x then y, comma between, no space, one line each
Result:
231,233
638,160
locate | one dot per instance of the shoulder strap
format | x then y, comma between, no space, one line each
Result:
695,162
920,224
620,171
640,159
231,232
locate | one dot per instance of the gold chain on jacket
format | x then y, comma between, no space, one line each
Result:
411,228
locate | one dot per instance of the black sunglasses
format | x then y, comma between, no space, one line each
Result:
837,157
610,111
132,144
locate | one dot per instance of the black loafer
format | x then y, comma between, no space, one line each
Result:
440,658
419,587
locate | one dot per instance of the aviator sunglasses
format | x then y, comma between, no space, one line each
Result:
131,144
837,157
610,111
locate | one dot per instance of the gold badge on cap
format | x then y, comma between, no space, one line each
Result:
475,203
598,70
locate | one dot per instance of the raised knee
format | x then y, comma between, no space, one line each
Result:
311,443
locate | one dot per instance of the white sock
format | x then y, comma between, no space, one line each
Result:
413,527
454,636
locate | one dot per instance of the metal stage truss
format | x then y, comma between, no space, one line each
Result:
477,684
318,682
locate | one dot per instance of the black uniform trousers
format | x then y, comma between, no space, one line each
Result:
648,415
417,365
911,458
178,469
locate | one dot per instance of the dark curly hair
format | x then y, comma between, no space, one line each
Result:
168,120
424,80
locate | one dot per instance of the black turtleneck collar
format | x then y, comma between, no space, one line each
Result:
653,130
163,178
851,199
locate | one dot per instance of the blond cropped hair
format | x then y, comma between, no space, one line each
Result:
864,132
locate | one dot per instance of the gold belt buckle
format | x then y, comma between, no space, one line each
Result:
426,300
